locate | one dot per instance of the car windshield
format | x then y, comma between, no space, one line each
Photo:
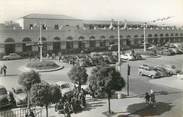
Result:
3,91
65,86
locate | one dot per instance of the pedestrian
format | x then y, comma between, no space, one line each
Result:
1,69
147,97
152,98
4,69
67,109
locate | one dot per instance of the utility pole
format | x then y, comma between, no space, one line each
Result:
145,25
119,54
128,83
40,43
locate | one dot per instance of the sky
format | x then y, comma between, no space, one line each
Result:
133,10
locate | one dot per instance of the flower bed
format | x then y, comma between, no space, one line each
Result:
43,65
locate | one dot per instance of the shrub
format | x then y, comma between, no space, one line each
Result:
43,65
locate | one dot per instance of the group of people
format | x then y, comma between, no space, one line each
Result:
150,98
3,70
72,103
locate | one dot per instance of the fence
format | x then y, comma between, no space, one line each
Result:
20,112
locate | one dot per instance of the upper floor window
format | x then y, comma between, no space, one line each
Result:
56,27
30,26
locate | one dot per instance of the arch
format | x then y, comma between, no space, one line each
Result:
81,43
56,45
111,37
26,39
92,37
172,34
26,47
102,37
136,36
128,36
56,38
176,34
43,39
81,38
9,40
9,45
167,35
70,38
149,35
155,35
161,35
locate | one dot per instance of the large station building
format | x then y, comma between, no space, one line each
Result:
61,33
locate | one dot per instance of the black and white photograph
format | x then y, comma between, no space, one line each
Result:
91,58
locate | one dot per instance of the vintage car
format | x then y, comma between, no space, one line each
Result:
11,56
149,71
4,97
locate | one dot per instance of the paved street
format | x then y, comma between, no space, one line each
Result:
168,97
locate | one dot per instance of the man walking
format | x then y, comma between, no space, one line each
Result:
4,69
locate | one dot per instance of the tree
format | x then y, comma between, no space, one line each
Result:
44,94
27,79
107,80
78,75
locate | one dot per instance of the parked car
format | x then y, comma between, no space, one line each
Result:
162,71
4,97
171,69
149,71
12,56
165,52
20,96
65,87
128,56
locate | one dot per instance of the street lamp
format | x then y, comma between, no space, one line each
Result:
40,44
145,25
119,53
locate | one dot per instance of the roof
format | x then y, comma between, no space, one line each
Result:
109,22
48,16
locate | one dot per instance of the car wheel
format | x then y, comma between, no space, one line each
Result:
152,77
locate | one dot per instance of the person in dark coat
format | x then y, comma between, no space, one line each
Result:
4,70
147,97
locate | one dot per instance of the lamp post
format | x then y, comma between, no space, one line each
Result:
40,43
119,54
145,25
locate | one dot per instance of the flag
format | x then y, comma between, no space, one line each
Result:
125,25
111,24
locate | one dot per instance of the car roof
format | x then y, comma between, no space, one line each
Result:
63,82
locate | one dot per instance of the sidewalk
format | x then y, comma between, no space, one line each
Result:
98,108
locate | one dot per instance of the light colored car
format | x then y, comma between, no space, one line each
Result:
171,69
20,97
162,71
127,56
4,97
12,56
149,71
65,87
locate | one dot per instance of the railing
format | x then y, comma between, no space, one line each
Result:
20,112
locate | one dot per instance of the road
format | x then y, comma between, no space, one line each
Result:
138,85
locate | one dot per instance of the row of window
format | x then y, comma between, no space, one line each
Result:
27,39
